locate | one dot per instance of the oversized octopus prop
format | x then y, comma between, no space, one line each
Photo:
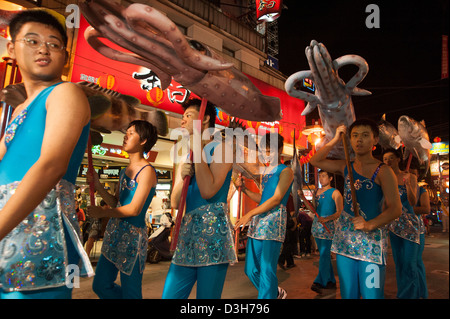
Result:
156,43
333,95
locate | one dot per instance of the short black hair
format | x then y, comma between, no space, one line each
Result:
366,122
209,110
147,132
39,16
397,153
328,173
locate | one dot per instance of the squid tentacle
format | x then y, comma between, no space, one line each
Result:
92,36
189,56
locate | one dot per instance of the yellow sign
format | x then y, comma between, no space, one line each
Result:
439,148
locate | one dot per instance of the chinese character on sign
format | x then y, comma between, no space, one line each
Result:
148,80
177,93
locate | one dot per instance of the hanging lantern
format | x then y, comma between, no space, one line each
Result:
107,81
268,10
155,96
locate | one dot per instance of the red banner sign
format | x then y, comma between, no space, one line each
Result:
268,10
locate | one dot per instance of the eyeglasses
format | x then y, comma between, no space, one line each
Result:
54,46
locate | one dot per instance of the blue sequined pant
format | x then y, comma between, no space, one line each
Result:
180,280
326,273
359,278
405,253
104,281
261,266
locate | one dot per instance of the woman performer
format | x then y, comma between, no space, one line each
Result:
267,221
40,154
329,208
360,242
124,246
405,231
205,245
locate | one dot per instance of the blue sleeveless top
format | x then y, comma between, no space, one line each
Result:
194,199
206,235
357,244
326,205
270,182
271,225
408,226
125,241
367,191
128,187
23,140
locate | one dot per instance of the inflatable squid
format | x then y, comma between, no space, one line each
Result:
156,43
333,95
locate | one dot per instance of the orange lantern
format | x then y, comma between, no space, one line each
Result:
107,81
155,96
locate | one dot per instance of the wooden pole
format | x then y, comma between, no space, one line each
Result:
350,175
184,190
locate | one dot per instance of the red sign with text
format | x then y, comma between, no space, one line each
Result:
143,83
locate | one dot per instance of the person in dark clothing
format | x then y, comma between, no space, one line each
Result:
290,241
305,224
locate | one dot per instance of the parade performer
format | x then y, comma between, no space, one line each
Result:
124,245
267,221
329,207
421,209
205,245
360,242
405,231
40,154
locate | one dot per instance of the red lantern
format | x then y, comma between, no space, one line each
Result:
437,139
155,96
107,81
268,10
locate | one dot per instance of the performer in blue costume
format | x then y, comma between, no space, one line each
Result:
421,209
361,242
205,244
329,207
405,231
267,221
125,241
40,155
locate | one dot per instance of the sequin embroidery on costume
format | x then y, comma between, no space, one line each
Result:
33,254
357,244
13,126
318,230
407,226
206,237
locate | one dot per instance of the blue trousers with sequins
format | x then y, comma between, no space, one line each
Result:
180,280
104,281
326,273
423,290
405,253
261,266
359,278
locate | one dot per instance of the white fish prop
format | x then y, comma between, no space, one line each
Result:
388,137
415,139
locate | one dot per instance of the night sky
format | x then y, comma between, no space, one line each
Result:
404,54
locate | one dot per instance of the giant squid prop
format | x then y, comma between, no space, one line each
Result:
333,95
155,42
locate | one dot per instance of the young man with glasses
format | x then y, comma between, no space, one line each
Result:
40,154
